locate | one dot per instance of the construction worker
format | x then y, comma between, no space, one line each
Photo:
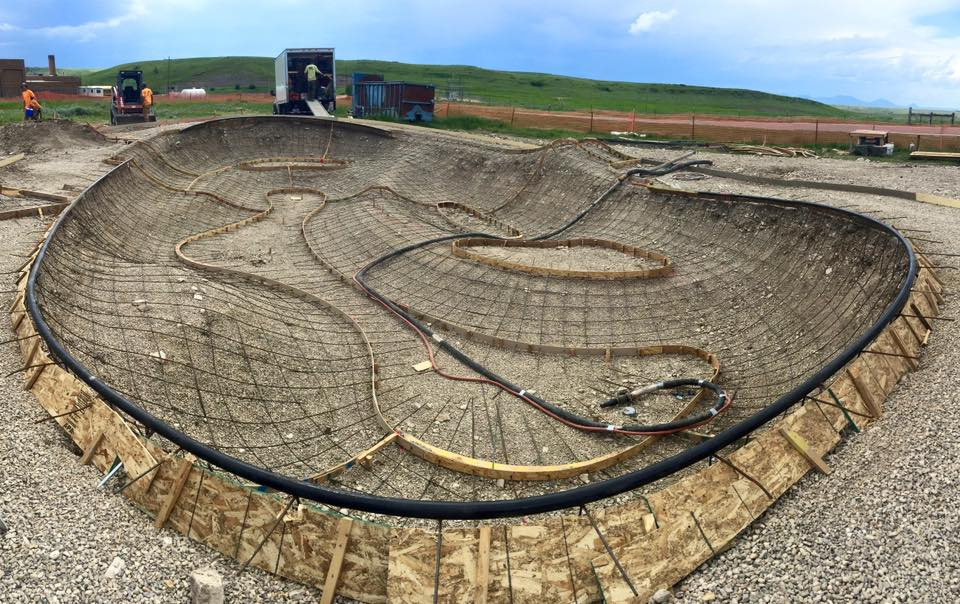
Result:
31,106
146,95
313,81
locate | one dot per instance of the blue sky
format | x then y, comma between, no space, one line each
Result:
905,51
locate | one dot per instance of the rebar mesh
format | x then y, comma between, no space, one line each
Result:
255,341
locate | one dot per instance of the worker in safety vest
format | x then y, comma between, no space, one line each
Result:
31,106
313,81
146,95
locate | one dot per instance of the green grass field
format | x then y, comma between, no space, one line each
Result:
538,91
216,74
98,111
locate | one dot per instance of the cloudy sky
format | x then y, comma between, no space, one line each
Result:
907,51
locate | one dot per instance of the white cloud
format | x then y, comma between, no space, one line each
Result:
646,21
84,32
8,27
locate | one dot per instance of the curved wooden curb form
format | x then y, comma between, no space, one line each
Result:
560,558
666,267
392,433
656,539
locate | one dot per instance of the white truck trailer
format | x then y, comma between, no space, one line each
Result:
292,90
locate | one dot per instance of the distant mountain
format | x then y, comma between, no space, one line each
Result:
852,101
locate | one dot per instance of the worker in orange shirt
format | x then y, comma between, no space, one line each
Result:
146,95
31,106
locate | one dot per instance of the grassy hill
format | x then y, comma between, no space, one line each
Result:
221,73
535,90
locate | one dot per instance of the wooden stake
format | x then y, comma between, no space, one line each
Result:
175,491
91,449
33,378
32,353
483,566
804,449
865,395
336,561
913,330
911,360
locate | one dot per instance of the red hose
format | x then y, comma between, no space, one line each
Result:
529,401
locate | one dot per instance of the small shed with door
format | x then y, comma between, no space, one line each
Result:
870,142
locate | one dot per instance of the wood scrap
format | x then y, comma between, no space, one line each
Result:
6,161
772,151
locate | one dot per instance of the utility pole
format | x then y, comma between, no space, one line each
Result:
168,75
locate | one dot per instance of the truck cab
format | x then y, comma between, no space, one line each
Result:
291,87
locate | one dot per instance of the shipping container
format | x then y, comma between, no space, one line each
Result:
372,97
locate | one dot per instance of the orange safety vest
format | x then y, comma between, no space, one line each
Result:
30,100
147,96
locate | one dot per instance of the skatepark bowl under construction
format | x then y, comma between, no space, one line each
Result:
413,366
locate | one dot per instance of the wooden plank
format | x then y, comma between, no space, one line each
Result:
51,209
364,458
412,565
804,449
336,562
483,566
458,565
902,347
934,155
91,449
526,565
865,394
174,495
34,377
6,161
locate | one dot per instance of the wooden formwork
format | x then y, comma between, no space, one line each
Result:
653,541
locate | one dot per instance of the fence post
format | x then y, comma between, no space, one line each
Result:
513,114
816,132
693,126
591,121
633,120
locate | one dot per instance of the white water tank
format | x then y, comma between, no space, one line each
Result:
193,93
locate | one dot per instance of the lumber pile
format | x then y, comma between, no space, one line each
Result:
773,151
934,155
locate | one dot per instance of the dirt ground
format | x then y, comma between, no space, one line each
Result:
70,158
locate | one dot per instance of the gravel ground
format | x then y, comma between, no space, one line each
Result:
62,531
881,528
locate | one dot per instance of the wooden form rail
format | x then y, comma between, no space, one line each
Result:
553,559
460,248
489,469
410,443
549,559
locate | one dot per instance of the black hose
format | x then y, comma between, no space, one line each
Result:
720,403
476,510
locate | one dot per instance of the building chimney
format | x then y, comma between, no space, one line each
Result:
52,65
